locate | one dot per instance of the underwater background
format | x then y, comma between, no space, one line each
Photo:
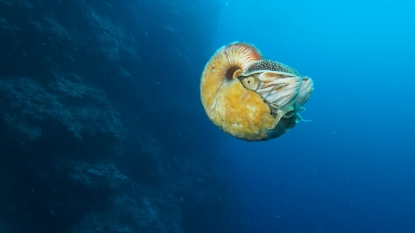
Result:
352,169
102,129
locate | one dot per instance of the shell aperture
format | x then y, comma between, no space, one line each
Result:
249,97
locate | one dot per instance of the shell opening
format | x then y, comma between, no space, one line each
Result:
232,73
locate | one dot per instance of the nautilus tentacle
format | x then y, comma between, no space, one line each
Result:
305,91
251,98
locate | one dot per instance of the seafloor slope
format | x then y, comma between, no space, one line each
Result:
101,129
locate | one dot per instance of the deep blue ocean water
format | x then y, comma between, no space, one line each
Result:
352,169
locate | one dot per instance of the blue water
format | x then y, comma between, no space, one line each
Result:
352,169
102,128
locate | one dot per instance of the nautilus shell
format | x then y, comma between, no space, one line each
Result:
249,97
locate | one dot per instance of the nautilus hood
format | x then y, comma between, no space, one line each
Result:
249,97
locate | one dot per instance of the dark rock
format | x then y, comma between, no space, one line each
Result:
30,110
101,126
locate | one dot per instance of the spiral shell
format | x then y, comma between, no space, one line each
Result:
251,98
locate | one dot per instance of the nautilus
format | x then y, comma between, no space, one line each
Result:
252,98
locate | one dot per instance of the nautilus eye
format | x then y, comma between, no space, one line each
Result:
250,83
249,97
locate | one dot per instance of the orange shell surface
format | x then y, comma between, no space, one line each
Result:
233,108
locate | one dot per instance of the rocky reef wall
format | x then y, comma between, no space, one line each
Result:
101,128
